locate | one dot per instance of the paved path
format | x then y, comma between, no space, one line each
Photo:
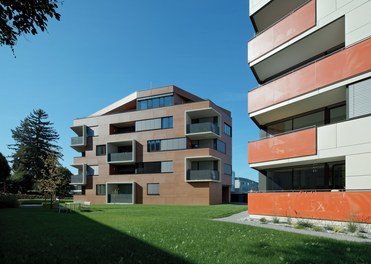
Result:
243,218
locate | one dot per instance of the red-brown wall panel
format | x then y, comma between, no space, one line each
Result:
291,145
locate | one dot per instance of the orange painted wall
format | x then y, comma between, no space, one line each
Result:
284,146
339,206
342,65
298,22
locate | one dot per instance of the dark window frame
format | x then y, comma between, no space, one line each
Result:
104,153
99,188
153,183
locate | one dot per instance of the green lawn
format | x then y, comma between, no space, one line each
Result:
158,234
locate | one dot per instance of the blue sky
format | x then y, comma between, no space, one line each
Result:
102,51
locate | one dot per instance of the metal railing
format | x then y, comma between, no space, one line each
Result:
199,175
203,127
78,179
120,198
122,156
77,141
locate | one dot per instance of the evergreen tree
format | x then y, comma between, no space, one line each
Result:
4,170
35,140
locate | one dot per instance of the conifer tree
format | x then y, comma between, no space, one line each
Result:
35,139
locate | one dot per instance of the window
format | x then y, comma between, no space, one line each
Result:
227,169
167,122
153,145
153,188
166,144
100,150
155,102
220,146
338,114
100,189
227,130
148,167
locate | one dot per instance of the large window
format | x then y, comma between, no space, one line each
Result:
153,188
100,189
320,117
227,130
325,176
100,150
153,145
156,102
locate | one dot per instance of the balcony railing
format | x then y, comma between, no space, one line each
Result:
291,26
290,145
202,127
120,198
78,179
203,175
77,141
123,156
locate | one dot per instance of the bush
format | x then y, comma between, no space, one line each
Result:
303,224
352,227
276,220
263,220
8,200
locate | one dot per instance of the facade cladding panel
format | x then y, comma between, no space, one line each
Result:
161,148
328,163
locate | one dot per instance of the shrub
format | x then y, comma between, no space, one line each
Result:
276,220
8,200
303,224
352,227
317,228
329,227
263,220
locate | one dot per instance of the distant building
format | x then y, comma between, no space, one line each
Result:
240,188
158,146
312,60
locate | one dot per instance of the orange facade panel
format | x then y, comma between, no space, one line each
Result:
293,25
342,65
297,144
339,206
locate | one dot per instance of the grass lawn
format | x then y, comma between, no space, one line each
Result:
158,234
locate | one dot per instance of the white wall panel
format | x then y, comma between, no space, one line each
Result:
358,24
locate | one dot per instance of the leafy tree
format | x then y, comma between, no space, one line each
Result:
34,140
64,188
4,170
19,17
51,177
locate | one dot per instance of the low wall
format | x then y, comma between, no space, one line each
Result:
338,206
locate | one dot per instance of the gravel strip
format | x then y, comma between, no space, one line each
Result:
243,218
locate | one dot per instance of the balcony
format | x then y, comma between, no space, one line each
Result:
79,143
338,206
203,175
312,77
121,152
289,27
80,177
202,124
202,169
291,145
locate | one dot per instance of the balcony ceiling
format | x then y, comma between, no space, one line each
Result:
334,96
202,113
273,12
306,49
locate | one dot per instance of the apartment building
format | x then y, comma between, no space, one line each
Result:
158,146
312,60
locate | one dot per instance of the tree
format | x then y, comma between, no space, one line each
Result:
19,17
34,142
51,177
4,170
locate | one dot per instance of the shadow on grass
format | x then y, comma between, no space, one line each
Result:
46,236
312,250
